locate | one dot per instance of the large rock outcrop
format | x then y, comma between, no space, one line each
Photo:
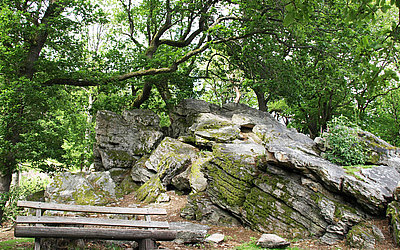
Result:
242,165
121,140
274,179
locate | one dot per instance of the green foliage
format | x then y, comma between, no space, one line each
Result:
28,186
38,40
383,118
19,244
344,147
249,245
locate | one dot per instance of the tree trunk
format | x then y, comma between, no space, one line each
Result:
35,44
143,96
313,129
163,90
262,102
5,181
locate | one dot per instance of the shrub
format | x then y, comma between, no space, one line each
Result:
344,146
27,187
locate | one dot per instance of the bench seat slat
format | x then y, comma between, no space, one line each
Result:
90,221
92,209
93,233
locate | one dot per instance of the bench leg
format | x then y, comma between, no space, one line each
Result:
37,243
147,244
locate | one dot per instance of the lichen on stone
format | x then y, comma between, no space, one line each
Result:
149,191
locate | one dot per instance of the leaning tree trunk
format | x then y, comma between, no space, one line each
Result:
5,182
34,43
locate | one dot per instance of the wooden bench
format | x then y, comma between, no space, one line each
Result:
145,232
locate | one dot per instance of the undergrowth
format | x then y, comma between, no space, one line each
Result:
344,146
27,188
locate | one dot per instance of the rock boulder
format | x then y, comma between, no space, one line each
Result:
93,188
122,139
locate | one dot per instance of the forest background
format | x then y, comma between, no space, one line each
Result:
304,61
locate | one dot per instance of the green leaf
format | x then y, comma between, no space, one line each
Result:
289,19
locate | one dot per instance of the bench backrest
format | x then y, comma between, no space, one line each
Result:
93,228
91,209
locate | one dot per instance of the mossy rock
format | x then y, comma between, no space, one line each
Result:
239,160
393,213
364,236
37,196
95,188
200,208
119,155
265,213
226,189
149,191
211,128
127,186
197,179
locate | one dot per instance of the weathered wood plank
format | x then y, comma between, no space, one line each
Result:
93,233
92,209
90,221
147,244
37,240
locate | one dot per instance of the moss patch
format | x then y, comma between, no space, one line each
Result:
355,170
149,191
230,190
83,189
264,211
127,186
243,167
393,213
213,124
363,236
120,155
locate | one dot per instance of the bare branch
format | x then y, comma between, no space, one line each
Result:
127,9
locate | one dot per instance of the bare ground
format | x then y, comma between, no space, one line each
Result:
234,236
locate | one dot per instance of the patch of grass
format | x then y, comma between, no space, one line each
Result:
23,243
252,245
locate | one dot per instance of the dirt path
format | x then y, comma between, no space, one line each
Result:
234,236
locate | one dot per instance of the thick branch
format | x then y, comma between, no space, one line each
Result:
155,41
147,72
39,39
201,47
144,95
96,82
183,41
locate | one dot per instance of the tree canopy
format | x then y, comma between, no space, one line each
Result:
305,61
